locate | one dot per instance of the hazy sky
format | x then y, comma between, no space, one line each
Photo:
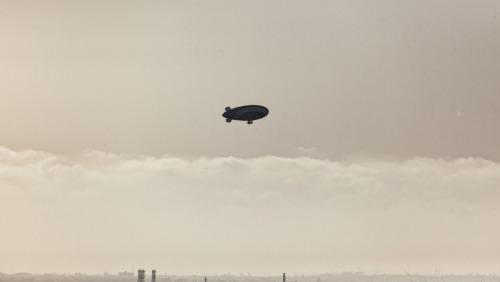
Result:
380,150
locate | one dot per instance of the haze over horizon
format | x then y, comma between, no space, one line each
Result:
380,150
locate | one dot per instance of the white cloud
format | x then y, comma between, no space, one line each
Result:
103,211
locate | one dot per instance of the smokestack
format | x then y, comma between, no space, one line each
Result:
153,276
205,279
141,275
284,277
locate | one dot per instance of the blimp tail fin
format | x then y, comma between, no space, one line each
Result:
228,109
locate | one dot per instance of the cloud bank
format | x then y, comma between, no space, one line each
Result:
106,212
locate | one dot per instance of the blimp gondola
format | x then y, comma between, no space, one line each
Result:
247,113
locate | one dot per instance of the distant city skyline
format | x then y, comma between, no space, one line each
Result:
326,277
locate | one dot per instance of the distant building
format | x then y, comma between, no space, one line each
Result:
126,276
141,275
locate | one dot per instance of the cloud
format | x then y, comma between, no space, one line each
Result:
100,207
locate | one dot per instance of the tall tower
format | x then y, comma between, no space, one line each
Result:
141,275
153,276
284,277
205,279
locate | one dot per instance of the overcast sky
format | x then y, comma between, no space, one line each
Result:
380,150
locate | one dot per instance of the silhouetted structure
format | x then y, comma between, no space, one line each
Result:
141,275
284,277
153,276
205,279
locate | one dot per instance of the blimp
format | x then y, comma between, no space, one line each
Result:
247,113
